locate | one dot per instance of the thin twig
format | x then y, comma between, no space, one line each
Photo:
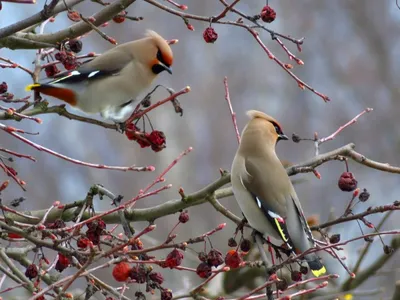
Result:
233,114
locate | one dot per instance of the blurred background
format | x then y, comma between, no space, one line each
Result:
350,54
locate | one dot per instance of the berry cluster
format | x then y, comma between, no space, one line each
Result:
155,139
141,274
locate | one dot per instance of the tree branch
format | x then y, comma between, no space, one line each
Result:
203,195
71,32
373,268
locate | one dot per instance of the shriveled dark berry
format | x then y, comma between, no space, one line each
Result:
347,182
232,242
75,45
156,277
388,249
3,87
369,239
203,270
31,271
214,258
245,245
303,270
295,138
296,276
335,238
140,296
282,284
166,294
202,256
364,196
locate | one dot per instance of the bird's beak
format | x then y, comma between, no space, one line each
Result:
283,137
166,68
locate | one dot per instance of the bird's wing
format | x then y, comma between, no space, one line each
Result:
96,68
305,241
266,191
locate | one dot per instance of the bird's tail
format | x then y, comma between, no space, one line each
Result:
31,87
313,261
62,93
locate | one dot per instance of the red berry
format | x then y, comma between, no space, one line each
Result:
130,128
3,87
101,225
210,35
203,270
51,70
184,217
93,236
143,143
120,17
157,140
121,271
61,56
74,16
70,63
174,259
214,258
31,271
12,235
268,14
83,242
347,182
233,259
96,225
62,263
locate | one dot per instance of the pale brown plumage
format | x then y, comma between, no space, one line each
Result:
264,191
107,83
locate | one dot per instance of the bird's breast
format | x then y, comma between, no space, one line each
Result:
115,90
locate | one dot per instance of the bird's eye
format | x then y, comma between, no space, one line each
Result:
277,129
159,55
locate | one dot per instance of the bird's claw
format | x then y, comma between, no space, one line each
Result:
120,127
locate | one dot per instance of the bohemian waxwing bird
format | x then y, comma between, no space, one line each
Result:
112,80
264,191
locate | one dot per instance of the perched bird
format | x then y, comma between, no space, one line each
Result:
109,82
264,191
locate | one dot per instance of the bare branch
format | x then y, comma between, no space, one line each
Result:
36,18
71,32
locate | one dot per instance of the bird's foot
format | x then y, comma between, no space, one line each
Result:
120,127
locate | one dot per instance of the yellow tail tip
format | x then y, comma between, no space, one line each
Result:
31,87
319,272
